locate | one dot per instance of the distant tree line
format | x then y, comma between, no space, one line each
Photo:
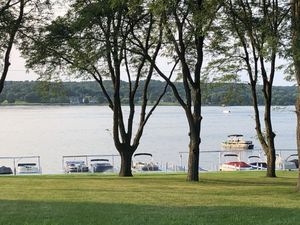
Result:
88,92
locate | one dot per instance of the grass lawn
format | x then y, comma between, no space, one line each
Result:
232,198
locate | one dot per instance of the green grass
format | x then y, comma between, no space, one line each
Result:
237,198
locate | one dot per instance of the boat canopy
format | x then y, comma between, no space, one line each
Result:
253,156
75,162
235,135
99,160
26,164
235,155
138,154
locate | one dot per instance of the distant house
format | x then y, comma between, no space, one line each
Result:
74,100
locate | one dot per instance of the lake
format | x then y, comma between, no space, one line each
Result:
52,132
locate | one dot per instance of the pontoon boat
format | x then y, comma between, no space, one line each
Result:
145,166
236,165
76,166
237,142
100,165
27,168
256,162
5,170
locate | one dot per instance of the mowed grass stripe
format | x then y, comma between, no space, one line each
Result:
219,198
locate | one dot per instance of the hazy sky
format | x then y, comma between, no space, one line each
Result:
18,71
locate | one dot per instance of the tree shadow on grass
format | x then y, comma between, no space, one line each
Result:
87,213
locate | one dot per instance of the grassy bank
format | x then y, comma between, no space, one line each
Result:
236,198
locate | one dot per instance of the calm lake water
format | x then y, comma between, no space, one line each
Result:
52,132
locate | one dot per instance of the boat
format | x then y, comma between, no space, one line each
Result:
5,170
76,166
237,142
256,163
27,168
293,158
226,111
289,163
100,165
145,166
236,165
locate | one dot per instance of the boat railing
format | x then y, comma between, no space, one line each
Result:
15,160
87,158
213,159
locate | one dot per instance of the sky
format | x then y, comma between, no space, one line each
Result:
18,72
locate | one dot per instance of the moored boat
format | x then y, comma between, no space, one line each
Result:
100,165
290,163
27,168
235,165
5,170
237,142
76,166
145,166
256,163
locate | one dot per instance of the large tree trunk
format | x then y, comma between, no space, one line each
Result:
194,120
270,136
298,131
266,141
271,163
126,162
296,55
193,164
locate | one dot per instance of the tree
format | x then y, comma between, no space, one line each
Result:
251,36
11,18
17,17
296,56
185,24
92,40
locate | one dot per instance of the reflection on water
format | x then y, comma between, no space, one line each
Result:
54,131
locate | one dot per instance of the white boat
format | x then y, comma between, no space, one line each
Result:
256,162
143,165
27,168
237,142
100,165
226,111
293,158
76,166
289,163
235,164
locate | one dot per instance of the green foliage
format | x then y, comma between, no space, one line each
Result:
75,93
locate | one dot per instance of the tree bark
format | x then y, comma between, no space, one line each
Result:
296,55
193,163
195,129
298,131
270,136
267,142
271,160
126,161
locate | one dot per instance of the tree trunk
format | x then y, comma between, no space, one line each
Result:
193,164
298,133
271,160
296,55
270,136
194,120
15,27
126,162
